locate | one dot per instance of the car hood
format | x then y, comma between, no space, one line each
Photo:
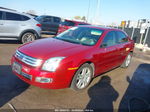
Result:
50,47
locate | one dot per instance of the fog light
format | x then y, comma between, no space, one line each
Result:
43,80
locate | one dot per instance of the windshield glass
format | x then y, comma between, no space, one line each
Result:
81,35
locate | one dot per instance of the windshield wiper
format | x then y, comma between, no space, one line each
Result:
76,42
68,40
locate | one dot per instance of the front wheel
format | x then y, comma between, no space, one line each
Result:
127,61
27,37
82,77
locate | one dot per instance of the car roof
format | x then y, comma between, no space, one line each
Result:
14,11
100,27
3,8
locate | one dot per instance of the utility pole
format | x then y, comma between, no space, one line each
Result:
88,11
97,11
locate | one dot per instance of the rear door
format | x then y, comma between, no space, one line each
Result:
47,23
50,24
123,45
55,24
108,53
12,24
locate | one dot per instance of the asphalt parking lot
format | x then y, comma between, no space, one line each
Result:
112,91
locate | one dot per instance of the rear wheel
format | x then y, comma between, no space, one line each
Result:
27,37
82,77
127,61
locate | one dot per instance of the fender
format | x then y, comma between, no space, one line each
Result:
29,30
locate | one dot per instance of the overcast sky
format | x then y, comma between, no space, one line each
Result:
110,10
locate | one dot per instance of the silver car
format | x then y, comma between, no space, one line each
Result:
18,26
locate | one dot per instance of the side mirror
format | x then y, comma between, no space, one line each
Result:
103,45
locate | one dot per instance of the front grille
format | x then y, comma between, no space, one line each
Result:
27,59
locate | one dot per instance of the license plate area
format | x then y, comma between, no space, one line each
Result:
27,76
17,67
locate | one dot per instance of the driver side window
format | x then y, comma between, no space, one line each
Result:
109,39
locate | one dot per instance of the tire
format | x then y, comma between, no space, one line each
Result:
28,37
80,80
127,61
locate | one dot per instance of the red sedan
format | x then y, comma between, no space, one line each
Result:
72,58
69,24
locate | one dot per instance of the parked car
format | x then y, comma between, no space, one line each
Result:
49,24
66,24
72,58
18,26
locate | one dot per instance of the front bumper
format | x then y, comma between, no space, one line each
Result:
55,80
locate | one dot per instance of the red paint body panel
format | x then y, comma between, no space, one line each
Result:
63,28
104,59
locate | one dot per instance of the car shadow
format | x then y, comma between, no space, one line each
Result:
137,95
10,42
102,95
10,85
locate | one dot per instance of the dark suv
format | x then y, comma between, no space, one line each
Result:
49,24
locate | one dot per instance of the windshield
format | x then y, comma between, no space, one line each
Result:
81,35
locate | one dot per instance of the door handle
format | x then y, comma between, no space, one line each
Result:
23,25
1,24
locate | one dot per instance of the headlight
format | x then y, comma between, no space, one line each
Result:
52,64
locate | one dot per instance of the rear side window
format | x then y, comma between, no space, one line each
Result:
47,19
56,20
39,18
1,15
25,18
13,16
109,39
121,37
68,23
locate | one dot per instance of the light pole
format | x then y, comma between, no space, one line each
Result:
88,11
97,11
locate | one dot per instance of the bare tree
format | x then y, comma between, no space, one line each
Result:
78,17
83,18
33,12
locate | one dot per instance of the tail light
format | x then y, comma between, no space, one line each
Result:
39,25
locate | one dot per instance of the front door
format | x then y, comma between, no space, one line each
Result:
108,53
123,46
47,23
